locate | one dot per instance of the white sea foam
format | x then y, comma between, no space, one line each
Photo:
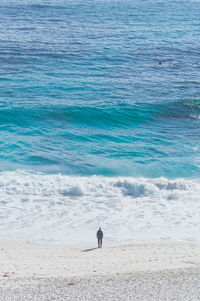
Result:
66,209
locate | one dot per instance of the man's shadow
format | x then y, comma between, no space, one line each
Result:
88,250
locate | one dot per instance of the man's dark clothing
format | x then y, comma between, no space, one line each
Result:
99,238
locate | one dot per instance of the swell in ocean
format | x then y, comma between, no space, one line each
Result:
138,139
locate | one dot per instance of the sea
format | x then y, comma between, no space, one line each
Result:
99,121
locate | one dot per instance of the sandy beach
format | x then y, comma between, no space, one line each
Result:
149,271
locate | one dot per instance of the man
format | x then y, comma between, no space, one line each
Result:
99,238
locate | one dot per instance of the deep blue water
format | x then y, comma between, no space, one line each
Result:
100,87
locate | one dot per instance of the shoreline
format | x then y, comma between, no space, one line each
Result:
142,271
50,260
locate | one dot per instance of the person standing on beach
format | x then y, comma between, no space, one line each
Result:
99,238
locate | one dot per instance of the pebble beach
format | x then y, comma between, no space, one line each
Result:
151,271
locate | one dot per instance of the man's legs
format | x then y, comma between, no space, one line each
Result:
99,242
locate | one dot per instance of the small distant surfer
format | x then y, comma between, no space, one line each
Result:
99,237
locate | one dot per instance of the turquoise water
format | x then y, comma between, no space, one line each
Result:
99,120
100,87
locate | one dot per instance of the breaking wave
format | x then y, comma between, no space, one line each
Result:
66,209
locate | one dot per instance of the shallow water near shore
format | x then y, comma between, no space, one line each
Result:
99,120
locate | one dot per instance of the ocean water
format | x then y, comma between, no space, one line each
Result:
99,120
